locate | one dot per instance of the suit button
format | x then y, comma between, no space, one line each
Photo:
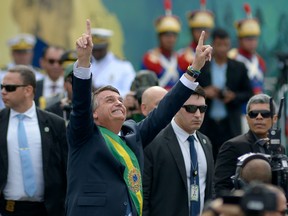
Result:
125,203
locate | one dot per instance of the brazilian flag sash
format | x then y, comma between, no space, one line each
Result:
127,158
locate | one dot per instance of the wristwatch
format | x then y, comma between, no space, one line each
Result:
192,72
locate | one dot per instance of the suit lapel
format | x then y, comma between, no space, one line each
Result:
4,120
207,151
46,138
175,150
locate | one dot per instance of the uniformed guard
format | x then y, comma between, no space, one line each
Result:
69,57
198,21
107,69
248,32
163,60
21,47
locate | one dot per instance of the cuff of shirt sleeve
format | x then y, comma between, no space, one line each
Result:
81,72
189,84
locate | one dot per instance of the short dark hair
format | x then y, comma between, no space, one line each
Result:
199,91
219,33
27,75
98,91
45,49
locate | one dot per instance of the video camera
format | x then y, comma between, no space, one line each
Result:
279,161
254,200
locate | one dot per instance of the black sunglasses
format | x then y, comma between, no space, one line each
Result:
193,108
53,61
11,88
264,113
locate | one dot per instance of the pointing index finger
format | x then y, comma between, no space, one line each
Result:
88,27
201,39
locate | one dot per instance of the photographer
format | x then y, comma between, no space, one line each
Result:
260,119
255,200
252,167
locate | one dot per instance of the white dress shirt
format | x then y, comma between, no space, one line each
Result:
14,189
113,71
47,86
182,137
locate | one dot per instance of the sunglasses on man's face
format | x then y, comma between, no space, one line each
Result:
53,61
194,108
11,88
264,113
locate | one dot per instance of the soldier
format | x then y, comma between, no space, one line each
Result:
163,60
248,31
21,47
198,21
106,67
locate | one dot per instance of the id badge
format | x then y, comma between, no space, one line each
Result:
194,193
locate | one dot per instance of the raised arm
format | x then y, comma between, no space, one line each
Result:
84,47
203,53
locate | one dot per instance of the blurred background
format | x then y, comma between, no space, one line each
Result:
60,22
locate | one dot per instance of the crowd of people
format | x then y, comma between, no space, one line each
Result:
185,136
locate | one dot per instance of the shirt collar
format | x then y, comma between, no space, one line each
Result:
30,113
181,134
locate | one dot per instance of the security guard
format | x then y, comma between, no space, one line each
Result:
107,69
248,32
198,21
163,60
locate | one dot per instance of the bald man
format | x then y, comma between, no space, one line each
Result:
257,170
281,201
150,98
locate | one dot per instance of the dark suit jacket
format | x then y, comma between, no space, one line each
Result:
95,177
54,154
39,91
165,180
227,159
237,81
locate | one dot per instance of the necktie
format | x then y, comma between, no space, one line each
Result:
26,162
53,88
194,180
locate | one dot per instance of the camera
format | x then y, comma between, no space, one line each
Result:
253,200
257,199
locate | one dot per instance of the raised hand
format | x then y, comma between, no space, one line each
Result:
84,46
203,53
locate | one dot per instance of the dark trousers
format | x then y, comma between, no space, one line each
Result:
21,208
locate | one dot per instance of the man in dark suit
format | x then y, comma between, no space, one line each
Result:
167,164
260,119
63,107
50,89
104,169
227,86
33,151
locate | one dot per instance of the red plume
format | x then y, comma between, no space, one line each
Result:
203,4
247,9
168,7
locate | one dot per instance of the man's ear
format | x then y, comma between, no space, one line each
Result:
275,118
95,114
143,109
29,90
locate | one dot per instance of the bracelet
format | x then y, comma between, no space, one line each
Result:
192,72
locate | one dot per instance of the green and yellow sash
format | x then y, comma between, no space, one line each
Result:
127,158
